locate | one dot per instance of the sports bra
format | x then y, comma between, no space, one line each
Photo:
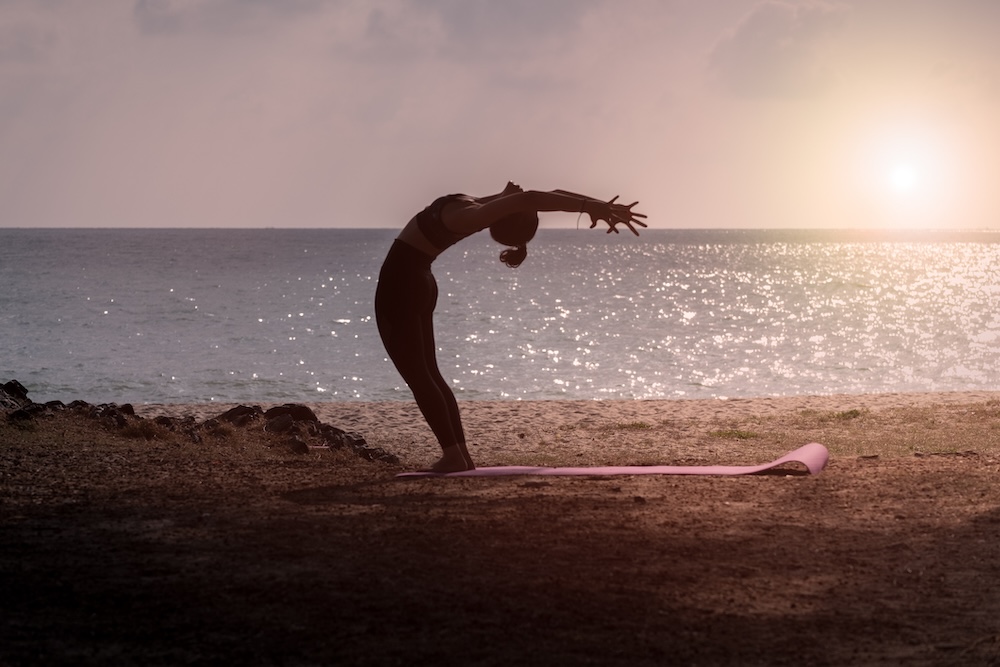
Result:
432,227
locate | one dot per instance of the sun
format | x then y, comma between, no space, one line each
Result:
904,178
910,168
907,174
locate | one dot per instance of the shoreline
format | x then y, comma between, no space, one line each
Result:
680,407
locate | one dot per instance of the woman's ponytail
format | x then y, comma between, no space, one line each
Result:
515,231
513,257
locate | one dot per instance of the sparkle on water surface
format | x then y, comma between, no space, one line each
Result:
279,315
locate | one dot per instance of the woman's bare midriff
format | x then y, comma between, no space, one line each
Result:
412,236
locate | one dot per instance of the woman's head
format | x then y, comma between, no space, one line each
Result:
515,231
511,188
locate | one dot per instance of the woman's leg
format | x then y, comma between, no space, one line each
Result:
449,403
404,308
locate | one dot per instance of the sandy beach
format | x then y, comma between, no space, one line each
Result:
164,551
623,432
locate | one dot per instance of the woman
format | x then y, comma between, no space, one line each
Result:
407,292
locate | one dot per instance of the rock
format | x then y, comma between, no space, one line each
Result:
333,436
337,438
165,422
20,415
286,418
297,445
376,454
279,423
241,415
329,431
354,440
294,420
297,411
13,395
112,415
16,390
28,412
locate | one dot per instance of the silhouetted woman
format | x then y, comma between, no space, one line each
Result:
407,292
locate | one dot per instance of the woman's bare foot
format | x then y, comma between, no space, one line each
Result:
453,459
465,455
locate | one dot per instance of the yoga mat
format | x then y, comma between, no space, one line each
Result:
814,456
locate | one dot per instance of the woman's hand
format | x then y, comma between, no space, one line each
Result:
479,213
613,214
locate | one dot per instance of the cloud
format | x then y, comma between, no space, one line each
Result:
259,112
465,32
774,51
168,17
308,112
24,44
485,27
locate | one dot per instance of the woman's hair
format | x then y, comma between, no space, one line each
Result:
515,231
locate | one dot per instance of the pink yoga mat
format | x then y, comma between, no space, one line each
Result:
814,456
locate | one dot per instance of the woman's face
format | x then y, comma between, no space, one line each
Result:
511,188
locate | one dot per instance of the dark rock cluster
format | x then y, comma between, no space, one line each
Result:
297,424
13,396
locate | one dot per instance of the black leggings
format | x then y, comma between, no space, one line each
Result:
404,310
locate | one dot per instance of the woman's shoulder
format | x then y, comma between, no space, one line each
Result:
450,201
457,198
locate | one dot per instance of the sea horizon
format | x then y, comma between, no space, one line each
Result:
272,315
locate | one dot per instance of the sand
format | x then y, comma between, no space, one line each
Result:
622,432
158,552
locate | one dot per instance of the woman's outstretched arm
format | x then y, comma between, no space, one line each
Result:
477,215
632,219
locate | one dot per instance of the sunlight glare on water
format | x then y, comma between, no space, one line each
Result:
663,320
250,316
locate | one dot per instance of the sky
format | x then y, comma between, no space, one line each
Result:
357,113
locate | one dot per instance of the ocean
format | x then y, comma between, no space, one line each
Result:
285,315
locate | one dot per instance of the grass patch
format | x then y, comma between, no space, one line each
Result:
898,431
734,434
626,426
827,417
847,415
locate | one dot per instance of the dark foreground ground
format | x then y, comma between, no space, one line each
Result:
127,551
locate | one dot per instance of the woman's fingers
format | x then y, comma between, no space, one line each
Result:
634,230
618,214
613,226
635,215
